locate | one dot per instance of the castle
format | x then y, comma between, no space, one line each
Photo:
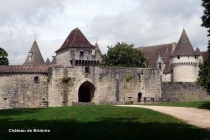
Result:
177,62
74,75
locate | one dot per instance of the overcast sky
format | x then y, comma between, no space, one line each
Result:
138,22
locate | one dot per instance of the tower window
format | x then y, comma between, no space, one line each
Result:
159,66
36,79
196,57
178,57
81,52
87,70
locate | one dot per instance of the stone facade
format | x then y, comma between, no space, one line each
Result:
184,91
23,91
106,84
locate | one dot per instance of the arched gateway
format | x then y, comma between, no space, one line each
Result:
86,92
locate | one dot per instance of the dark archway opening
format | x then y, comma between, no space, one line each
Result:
86,92
139,96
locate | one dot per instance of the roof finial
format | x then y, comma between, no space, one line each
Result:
96,40
183,26
35,37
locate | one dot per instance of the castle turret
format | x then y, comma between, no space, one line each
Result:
184,62
77,51
34,56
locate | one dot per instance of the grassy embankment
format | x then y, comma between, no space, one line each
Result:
96,123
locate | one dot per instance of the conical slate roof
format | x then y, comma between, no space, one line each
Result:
47,61
197,51
184,46
76,39
34,57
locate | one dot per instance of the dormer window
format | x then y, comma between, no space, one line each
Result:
81,52
159,65
30,56
93,52
178,57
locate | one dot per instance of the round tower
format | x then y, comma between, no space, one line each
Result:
184,61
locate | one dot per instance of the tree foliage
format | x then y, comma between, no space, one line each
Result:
204,72
3,57
124,55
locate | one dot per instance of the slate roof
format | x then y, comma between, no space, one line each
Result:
152,53
23,69
197,51
76,39
53,60
204,54
184,46
37,58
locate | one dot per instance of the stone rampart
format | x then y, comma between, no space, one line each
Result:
185,91
23,91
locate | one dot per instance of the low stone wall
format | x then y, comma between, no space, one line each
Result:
184,91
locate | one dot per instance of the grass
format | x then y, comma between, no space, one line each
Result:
195,104
96,123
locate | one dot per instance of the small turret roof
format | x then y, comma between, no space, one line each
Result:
76,39
197,51
36,56
47,61
184,46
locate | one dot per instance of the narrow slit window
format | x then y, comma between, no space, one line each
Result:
81,52
36,79
87,70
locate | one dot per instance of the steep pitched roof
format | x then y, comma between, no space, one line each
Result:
23,69
53,60
47,61
197,51
76,39
153,52
34,57
184,46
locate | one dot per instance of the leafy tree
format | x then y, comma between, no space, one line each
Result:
124,55
3,57
204,72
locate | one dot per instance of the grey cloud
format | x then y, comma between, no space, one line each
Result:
150,22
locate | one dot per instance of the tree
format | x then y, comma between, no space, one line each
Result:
124,55
3,57
204,72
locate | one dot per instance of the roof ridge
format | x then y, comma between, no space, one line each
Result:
74,35
156,45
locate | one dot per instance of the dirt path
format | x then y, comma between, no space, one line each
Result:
194,116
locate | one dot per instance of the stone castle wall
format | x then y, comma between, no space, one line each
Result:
109,84
21,91
185,91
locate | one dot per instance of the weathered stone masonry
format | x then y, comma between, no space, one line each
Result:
107,84
21,91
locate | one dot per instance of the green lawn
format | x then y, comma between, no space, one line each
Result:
195,104
96,123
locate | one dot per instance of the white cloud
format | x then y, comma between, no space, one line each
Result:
138,22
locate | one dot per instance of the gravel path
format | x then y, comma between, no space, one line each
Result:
194,116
